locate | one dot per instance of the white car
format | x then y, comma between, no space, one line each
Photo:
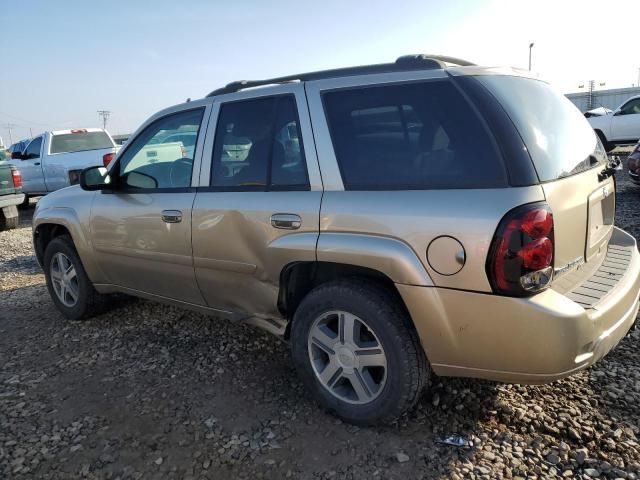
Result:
622,126
54,160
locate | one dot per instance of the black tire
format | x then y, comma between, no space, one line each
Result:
89,302
8,223
408,371
606,144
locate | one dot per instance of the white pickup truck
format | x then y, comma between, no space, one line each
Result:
622,126
54,160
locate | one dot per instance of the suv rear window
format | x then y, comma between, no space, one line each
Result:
412,136
78,142
557,135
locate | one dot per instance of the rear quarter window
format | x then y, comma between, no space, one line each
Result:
558,137
413,136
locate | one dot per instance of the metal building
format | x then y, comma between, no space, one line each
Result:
610,99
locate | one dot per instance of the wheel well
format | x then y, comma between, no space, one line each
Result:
43,236
298,279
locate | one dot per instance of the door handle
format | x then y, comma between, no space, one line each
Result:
37,163
286,221
171,216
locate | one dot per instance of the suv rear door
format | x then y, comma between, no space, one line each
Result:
258,205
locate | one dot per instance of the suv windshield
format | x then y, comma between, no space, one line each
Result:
78,142
558,137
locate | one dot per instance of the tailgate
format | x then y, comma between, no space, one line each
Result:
6,180
583,209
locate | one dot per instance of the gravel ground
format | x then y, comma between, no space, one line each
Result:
150,391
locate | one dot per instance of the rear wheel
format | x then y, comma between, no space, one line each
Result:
9,218
607,145
357,352
71,290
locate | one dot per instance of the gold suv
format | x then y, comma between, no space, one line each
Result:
390,221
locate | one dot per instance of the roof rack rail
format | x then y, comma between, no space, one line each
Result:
406,62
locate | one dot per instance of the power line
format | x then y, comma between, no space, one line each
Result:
10,126
24,120
105,114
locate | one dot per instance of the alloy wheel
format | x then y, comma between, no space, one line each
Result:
347,357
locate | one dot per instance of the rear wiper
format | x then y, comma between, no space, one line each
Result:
612,167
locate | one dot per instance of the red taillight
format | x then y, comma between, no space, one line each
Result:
106,158
79,130
521,257
17,179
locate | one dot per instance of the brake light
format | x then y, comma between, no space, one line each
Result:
107,158
79,130
520,261
17,178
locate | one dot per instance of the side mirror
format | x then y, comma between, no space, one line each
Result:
95,178
617,112
139,180
17,156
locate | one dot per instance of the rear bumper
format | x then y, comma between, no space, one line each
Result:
11,200
528,340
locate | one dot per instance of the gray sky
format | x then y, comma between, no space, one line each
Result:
65,60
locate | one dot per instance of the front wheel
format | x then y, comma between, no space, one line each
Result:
357,352
608,146
69,286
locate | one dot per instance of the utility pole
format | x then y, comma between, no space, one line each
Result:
105,116
530,47
591,96
10,126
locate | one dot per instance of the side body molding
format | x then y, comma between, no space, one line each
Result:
387,255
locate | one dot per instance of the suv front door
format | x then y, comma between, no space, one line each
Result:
141,231
625,124
258,205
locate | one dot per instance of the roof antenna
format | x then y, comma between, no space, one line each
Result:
188,99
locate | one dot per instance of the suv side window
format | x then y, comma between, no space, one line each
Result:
412,136
162,155
631,107
33,150
258,146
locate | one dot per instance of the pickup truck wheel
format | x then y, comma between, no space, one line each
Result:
357,352
9,218
607,145
71,290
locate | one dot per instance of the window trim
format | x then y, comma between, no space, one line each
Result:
268,187
116,165
632,100
39,138
384,187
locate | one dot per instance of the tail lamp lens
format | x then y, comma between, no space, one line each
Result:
107,158
17,179
521,258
